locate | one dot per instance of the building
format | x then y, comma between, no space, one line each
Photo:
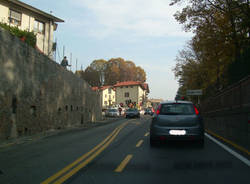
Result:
154,102
132,92
107,95
26,17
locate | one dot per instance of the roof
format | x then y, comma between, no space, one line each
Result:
33,9
95,88
105,87
133,83
177,101
155,100
128,83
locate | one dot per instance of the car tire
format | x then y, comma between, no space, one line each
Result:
153,143
201,143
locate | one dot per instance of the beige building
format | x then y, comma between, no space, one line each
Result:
132,92
107,95
154,102
26,17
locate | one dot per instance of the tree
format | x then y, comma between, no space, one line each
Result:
101,72
221,29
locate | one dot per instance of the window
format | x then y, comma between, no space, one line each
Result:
176,109
15,17
39,27
126,94
126,86
105,102
105,95
109,90
131,86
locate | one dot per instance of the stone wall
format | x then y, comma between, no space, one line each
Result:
228,113
37,94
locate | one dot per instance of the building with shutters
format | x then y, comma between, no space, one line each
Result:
26,17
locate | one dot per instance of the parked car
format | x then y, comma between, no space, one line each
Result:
112,113
132,113
177,120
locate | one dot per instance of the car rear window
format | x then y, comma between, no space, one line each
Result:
112,110
177,109
131,110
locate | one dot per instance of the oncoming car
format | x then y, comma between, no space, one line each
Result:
177,120
132,113
112,113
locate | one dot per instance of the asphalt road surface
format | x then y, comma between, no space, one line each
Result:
116,153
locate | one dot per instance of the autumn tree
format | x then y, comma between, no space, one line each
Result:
221,35
111,71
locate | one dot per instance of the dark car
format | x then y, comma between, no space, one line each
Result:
132,113
148,112
177,120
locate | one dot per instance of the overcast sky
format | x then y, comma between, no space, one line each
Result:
143,31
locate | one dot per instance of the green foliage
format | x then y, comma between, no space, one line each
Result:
240,68
218,53
29,37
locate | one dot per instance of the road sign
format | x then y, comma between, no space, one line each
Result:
196,92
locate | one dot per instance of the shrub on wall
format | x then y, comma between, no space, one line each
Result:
26,36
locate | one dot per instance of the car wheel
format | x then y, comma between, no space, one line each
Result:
153,143
200,143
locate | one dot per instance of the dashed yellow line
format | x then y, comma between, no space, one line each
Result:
229,142
124,163
146,134
139,143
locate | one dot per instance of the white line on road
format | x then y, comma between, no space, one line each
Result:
237,155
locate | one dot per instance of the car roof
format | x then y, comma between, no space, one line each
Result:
176,101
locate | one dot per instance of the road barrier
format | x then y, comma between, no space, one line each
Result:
228,113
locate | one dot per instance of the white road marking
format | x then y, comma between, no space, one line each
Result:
237,155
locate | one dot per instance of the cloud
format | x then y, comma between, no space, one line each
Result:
134,17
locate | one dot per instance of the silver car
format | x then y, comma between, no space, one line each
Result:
112,113
177,120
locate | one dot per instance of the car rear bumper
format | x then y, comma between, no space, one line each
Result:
192,133
132,115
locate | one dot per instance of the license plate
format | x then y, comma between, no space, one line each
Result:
177,132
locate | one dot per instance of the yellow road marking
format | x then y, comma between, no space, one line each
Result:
146,134
139,143
123,163
65,169
83,164
229,142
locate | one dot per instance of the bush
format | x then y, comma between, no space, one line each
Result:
28,37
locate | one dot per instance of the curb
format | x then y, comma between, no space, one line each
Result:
41,135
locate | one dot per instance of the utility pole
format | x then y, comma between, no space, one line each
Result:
76,64
70,61
63,51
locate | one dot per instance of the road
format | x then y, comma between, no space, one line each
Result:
115,153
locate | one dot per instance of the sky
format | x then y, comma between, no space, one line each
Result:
142,31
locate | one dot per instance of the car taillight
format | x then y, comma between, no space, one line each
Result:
158,109
196,110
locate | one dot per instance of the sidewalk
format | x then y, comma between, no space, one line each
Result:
31,138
